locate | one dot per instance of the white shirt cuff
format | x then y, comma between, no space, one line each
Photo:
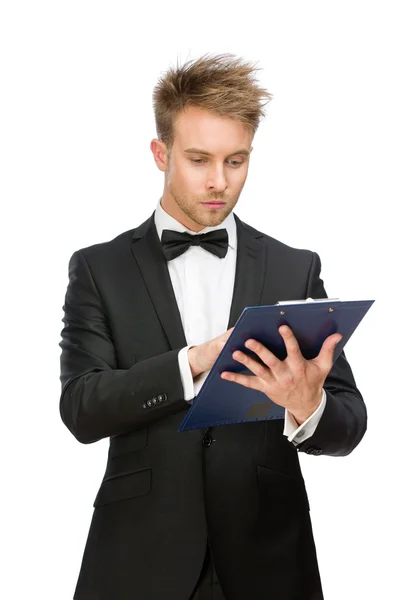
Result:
297,434
186,374
198,383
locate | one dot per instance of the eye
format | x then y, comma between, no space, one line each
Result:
233,163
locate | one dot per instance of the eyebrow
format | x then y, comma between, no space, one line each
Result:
200,151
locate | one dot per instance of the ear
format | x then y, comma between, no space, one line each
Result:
160,154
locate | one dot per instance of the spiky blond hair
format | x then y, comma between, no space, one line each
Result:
223,84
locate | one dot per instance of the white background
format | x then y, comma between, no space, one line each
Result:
76,124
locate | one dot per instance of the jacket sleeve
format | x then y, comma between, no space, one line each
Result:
344,420
99,400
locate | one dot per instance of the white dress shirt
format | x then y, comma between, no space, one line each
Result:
203,287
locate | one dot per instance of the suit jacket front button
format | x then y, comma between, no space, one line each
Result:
207,441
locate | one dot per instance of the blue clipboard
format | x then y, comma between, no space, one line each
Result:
222,402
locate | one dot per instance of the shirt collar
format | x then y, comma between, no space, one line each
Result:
164,221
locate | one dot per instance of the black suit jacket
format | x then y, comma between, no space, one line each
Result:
164,492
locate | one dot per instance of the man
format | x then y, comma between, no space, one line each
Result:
220,513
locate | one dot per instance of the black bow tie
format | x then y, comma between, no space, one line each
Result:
175,243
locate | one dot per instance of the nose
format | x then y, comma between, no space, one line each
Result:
217,180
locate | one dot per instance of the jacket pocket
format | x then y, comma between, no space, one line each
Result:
128,442
123,486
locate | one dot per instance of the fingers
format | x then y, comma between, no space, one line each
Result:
285,373
292,345
325,356
269,359
249,381
295,359
259,370
294,354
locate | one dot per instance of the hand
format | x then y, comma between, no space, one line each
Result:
294,383
201,358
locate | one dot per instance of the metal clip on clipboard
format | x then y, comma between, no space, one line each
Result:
308,300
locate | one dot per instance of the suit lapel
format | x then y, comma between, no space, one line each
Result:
147,250
250,275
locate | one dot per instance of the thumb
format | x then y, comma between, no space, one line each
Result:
325,357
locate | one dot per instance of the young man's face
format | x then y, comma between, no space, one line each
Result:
193,178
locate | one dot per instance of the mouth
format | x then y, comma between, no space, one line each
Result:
214,204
